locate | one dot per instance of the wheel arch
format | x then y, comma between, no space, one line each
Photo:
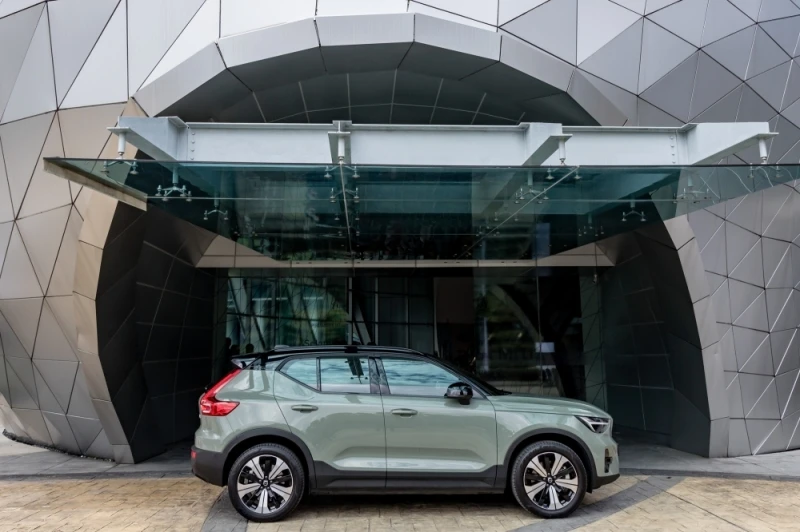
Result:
257,436
561,436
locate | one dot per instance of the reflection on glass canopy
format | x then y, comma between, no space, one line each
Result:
315,212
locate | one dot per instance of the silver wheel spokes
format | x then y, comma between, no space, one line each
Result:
550,480
265,484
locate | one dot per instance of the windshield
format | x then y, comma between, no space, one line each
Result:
490,389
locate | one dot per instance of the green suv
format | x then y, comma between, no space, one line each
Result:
355,418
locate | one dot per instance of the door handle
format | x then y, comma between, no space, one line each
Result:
405,412
304,408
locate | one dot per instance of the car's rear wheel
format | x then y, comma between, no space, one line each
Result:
266,482
548,479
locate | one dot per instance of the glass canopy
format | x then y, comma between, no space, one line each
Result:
318,212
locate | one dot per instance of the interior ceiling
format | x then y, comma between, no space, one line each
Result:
390,97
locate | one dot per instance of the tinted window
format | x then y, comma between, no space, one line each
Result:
416,377
303,370
344,374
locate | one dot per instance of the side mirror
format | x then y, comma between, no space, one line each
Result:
461,391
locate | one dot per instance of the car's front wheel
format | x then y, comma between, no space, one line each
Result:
548,479
266,482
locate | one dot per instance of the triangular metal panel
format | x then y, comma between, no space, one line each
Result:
788,136
6,210
742,296
18,279
551,27
772,9
75,26
15,6
785,353
594,102
51,342
753,389
722,19
34,91
80,404
733,52
771,84
21,382
86,431
789,425
751,268
776,441
163,22
784,32
101,447
622,100
599,21
5,237
738,442
637,6
792,93
739,243
64,311
785,385
734,393
777,263
485,12
63,278
714,253
715,281
766,406
84,129
673,92
704,224
748,7
47,400
747,214
618,61
511,9
22,316
104,76
60,431
661,52
765,55
42,236
722,302
685,19
203,29
60,376
46,191
22,144
753,108
788,315
773,199
747,342
15,36
781,227
34,424
755,315
760,362
724,110
655,5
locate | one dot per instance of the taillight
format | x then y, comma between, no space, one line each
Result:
211,406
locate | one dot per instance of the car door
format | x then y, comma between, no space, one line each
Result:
332,403
432,441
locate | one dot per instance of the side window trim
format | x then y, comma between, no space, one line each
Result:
286,361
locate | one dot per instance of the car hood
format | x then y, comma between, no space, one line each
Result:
538,403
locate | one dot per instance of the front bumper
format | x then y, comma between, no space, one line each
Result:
208,466
602,481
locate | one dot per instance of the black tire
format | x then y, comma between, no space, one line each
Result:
278,504
567,484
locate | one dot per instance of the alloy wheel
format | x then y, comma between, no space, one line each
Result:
265,484
551,481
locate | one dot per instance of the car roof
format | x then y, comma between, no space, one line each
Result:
283,351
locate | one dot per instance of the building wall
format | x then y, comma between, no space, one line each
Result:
750,254
69,68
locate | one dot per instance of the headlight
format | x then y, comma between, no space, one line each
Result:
595,424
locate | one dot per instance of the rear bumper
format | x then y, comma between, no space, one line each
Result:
208,466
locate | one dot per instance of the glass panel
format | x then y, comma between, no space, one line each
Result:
416,377
344,375
303,370
375,213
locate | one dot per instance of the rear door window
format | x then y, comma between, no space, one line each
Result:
346,374
302,370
